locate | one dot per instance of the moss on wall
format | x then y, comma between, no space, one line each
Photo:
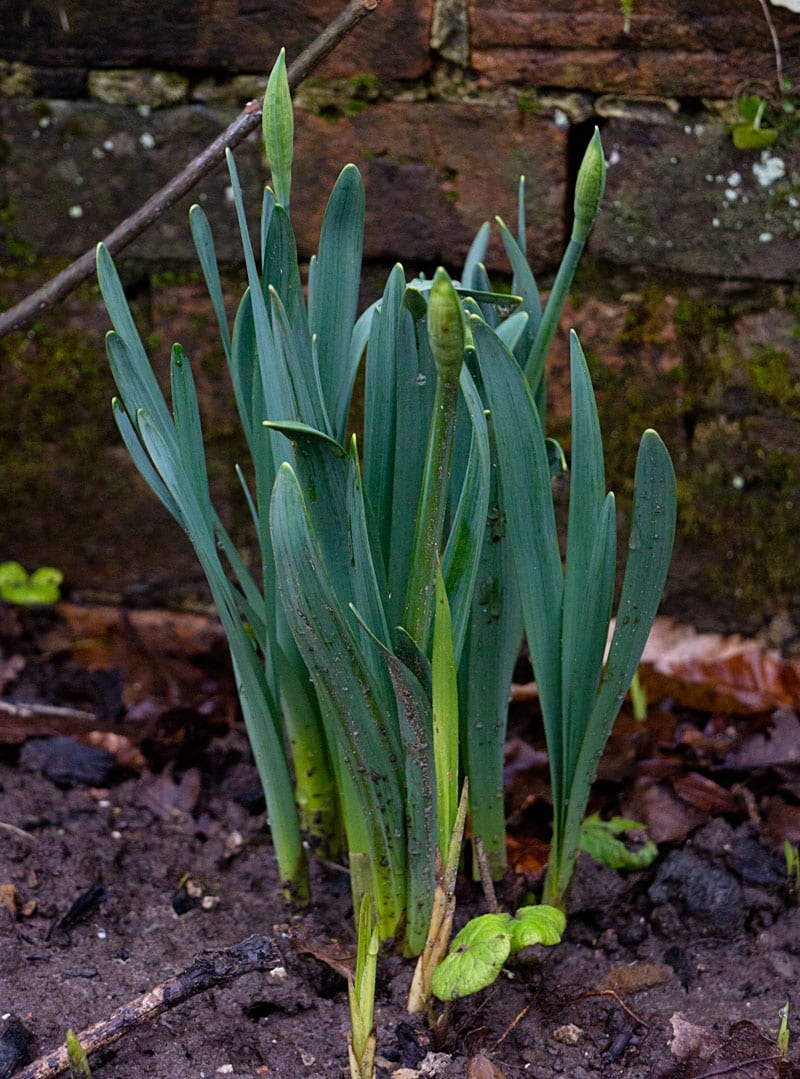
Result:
719,377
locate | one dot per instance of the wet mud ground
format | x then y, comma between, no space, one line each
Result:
679,971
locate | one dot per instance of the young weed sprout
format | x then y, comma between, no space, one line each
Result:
374,643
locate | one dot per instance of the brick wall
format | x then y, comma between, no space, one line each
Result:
688,297
96,112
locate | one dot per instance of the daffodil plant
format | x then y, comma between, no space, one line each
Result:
374,640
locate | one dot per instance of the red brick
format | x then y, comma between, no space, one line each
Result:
703,49
434,172
225,35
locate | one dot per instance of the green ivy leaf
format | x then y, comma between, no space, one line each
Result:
599,840
747,137
472,964
41,587
536,925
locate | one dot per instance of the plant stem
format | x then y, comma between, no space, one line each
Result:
420,594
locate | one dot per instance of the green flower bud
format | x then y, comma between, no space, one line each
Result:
445,327
589,187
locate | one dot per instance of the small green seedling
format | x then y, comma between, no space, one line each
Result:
599,839
638,694
792,856
478,953
783,1031
753,130
78,1061
361,992
29,590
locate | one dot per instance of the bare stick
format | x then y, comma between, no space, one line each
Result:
487,884
24,313
776,45
209,968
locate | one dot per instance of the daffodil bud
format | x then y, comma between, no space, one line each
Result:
445,327
589,187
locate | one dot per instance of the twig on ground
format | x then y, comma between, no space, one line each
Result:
27,310
209,968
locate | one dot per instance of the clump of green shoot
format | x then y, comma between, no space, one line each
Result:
361,994
37,589
78,1060
791,855
374,633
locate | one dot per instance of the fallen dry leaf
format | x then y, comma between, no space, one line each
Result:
526,854
635,978
8,899
480,1067
715,673
779,745
666,818
168,799
704,795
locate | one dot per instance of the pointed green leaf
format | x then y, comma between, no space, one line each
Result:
334,297
590,565
204,245
530,520
463,550
355,719
475,256
445,717
278,129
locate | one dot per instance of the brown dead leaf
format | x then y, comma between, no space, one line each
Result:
480,1067
715,673
526,854
782,822
780,745
704,795
168,799
153,649
8,899
635,978
666,818
339,957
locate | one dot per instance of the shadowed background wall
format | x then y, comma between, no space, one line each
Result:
687,302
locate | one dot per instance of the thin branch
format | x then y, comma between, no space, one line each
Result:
25,312
776,44
208,969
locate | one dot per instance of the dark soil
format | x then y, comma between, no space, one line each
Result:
677,972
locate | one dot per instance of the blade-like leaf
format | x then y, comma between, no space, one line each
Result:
415,722
204,245
475,256
356,722
445,718
143,463
650,548
278,128
333,302
524,283
463,550
589,572
530,520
